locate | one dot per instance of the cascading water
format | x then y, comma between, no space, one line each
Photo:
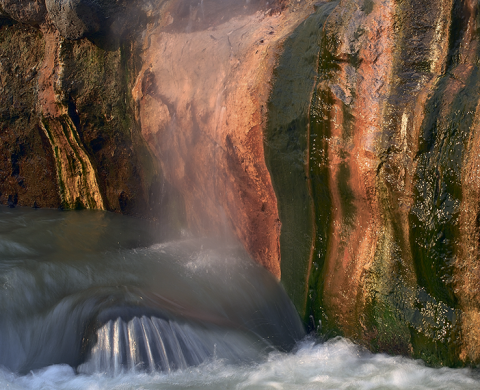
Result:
88,300
81,289
92,300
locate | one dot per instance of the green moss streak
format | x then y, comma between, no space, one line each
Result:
438,190
322,103
435,232
286,152
368,6
347,197
61,184
347,124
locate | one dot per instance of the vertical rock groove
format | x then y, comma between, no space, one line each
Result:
392,126
286,150
338,140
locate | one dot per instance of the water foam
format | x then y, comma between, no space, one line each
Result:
336,364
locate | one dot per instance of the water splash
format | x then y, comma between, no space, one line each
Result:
151,344
336,364
91,297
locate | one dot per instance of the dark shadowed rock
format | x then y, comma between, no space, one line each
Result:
4,18
26,11
76,18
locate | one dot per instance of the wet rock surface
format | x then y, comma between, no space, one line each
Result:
338,140
202,98
391,177
102,105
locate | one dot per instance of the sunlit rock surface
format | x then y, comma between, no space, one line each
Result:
160,115
202,101
389,202
337,139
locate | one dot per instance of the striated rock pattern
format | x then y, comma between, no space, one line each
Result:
338,140
381,197
69,138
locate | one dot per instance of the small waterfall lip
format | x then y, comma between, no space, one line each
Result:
181,302
153,344
151,337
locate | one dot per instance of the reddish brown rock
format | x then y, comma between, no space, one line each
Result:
27,168
202,123
201,102
68,100
364,111
392,175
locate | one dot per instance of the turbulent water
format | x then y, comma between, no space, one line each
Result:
337,364
92,300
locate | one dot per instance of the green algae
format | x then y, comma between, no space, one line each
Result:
368,6
435,232
347,196
406,303
438,193
319,176
287,154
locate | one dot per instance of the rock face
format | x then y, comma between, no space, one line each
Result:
336,139
76,18
202,97
384,179
27,173
25,11
86,18
68,134
113,120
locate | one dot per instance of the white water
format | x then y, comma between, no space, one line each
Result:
61,271
336,364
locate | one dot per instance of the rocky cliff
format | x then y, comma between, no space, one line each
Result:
68,135
388,202
151,108
336,139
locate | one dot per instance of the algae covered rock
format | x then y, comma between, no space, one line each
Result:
379,204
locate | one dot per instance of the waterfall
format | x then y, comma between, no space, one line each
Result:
111,300
153,344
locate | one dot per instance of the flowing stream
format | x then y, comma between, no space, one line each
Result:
92,300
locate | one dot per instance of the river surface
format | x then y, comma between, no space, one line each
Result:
93,300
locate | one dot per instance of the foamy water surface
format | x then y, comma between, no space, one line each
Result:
336,364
